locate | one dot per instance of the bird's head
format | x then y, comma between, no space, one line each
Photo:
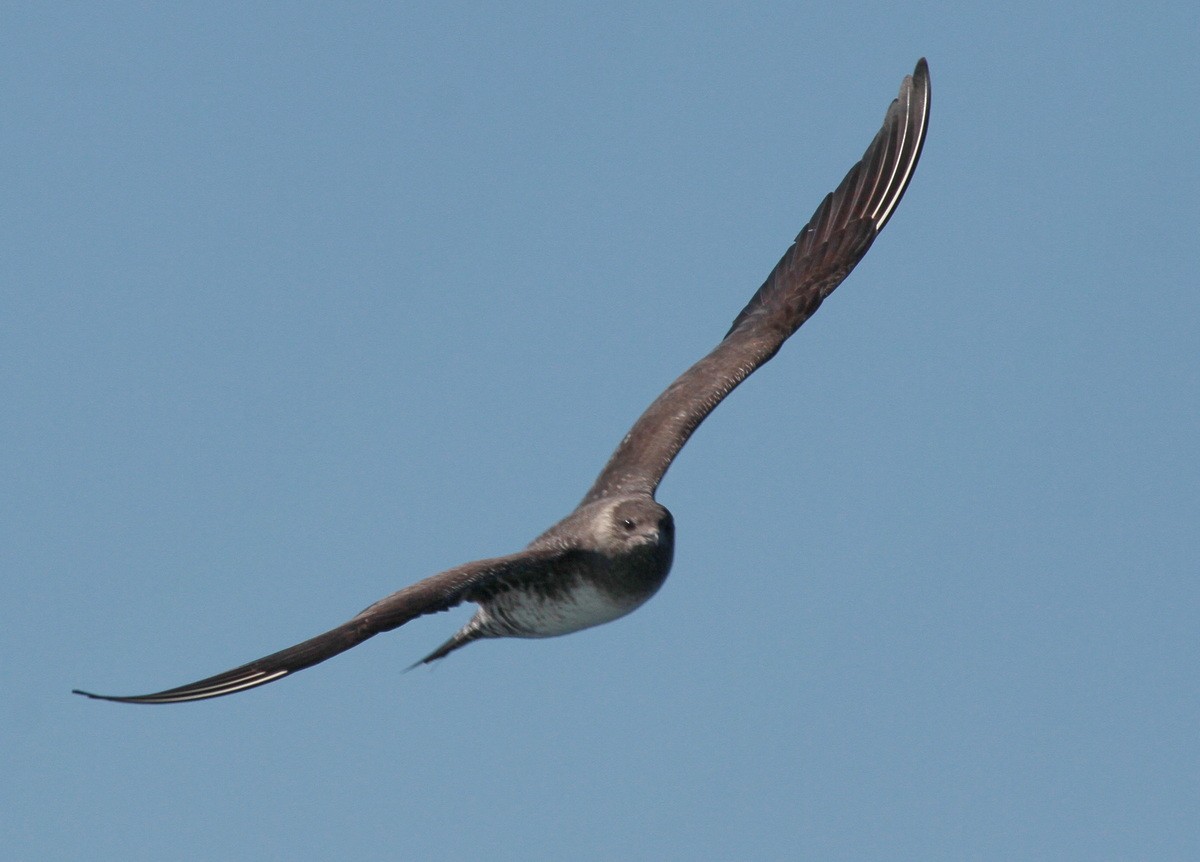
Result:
615,527
633,523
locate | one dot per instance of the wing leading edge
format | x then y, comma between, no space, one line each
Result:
835,239
437,593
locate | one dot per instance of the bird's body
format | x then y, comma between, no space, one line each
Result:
614,551
602,561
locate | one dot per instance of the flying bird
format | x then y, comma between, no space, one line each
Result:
613,552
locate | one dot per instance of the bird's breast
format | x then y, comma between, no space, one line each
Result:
535,613
588,589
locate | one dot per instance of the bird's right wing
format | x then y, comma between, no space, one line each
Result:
437,593
832,243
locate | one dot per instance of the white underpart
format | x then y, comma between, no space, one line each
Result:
585,607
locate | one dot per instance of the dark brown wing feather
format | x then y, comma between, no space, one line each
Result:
826,250
438,593
834,240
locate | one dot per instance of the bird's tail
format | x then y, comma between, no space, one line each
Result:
470,632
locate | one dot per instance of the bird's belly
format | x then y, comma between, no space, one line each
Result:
531,614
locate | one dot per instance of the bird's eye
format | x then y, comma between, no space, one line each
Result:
628,523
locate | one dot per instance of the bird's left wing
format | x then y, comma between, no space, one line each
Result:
835,239
437,593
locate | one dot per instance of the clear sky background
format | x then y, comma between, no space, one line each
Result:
301,303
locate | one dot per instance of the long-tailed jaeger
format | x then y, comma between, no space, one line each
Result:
614,551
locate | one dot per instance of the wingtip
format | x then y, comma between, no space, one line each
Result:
920,77
110,698
911,109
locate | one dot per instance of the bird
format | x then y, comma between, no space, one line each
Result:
613,552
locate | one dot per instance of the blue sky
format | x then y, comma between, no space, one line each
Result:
302,303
